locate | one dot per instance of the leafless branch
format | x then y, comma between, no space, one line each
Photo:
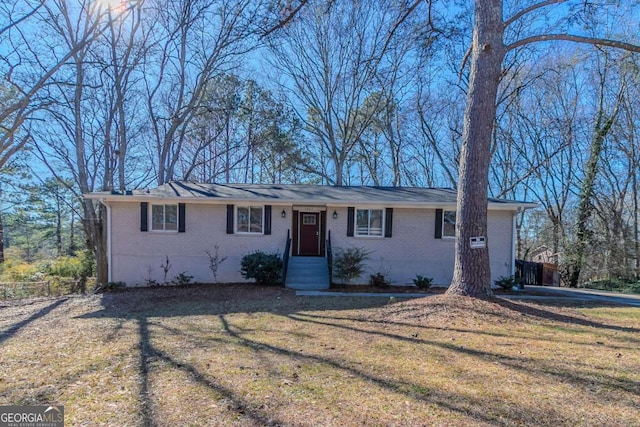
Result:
283,22
23,17
465,59
573,38
531,9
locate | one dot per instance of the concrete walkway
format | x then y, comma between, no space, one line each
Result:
359,294
558,293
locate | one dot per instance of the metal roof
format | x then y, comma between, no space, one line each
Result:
299,193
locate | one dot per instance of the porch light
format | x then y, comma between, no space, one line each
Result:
335,215
283,214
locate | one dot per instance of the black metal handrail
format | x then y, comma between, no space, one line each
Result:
285,258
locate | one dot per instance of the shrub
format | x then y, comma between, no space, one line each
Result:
165,266
66,266
506,283
348,263
87,268
182,279
149,280
21,272
111,287
214,261
615,285
378,280
265,268
422,282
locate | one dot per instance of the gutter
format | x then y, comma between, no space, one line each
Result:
505,206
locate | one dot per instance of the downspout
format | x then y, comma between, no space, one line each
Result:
514,223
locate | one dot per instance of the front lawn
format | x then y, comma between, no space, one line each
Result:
241,355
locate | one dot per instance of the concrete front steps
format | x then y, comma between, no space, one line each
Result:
307,273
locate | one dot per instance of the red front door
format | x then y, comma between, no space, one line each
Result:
309,233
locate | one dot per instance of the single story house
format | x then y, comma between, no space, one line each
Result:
408,231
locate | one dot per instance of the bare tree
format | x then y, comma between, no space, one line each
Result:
25,69
606,116
538,140
195,41
332,52
241,134
32,65
73,141
120,54
628,143
602,222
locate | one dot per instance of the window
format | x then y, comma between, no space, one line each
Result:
369,222
249,219
164,217
308,219
449,224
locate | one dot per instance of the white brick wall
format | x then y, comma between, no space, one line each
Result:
411,250
133,251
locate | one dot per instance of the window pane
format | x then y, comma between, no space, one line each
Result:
308,219
369,222
171,217
243,220
256,220
157,217
449,223
375,228
362,222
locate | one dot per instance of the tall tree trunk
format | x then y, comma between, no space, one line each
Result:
72,234
472,275
92,219
586,192
556,232
58,227
636,205
636,224
94,226
1,239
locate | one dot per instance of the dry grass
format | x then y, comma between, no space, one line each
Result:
248,356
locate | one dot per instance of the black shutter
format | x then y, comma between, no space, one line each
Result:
229,219
267,219
388,221
350,221
181,217
144,216
438,224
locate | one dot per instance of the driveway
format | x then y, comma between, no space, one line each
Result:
580,293
530,292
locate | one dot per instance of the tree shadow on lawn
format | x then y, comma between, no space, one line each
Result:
149,353
506,334
467,406
577,375
415,314
475,408
141,305
196,300
540,312
12,330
